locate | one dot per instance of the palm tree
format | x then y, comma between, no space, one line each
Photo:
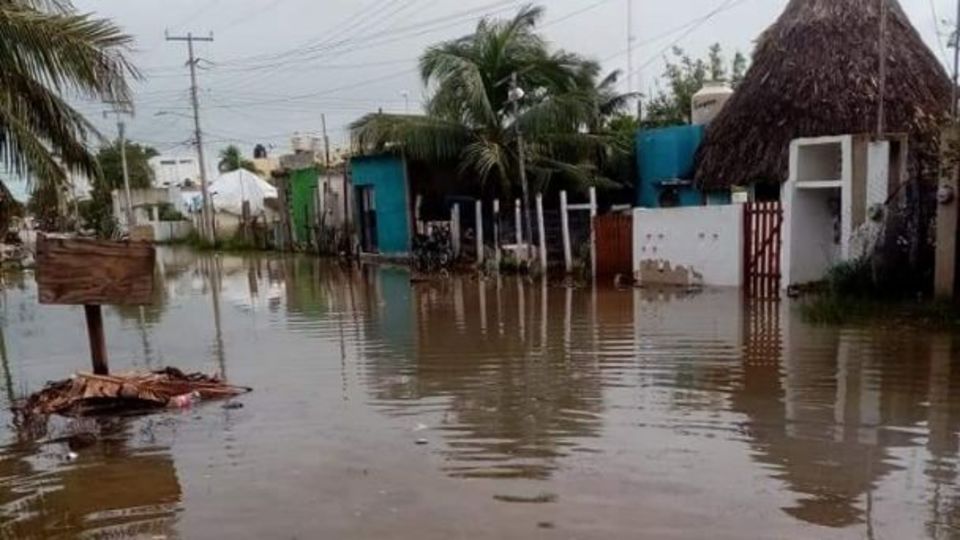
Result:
470,117
231,159
50,54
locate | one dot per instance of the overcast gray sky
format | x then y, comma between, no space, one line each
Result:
276,65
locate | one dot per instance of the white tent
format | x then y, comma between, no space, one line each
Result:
230,190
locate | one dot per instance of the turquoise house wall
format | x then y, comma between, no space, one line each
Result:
386,174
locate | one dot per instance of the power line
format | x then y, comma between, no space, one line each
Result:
936,31
693,25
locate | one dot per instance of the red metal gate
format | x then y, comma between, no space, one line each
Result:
614,244
762,228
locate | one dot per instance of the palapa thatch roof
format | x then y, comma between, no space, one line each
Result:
815,72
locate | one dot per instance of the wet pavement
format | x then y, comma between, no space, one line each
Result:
481,409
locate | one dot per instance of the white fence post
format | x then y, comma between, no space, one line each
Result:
542,235
565,226
417,223
518,222
496,232
479,232
455,229
593,233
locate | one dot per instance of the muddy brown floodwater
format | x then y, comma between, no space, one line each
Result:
481,409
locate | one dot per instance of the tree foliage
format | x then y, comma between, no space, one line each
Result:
470,117
138,165
685,76
231,159
51,53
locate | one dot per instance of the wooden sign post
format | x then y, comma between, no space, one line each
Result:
92,273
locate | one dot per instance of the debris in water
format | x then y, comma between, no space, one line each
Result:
542,498
421,427
422,441
233,405
71,456
87,394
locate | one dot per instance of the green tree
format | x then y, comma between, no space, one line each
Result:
231,159
138,165
684,77
470,118
47,205
51,53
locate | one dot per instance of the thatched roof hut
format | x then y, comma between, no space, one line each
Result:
815,72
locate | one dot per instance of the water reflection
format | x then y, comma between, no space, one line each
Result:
578,399
120,485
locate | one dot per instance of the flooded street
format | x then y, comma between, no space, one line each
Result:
481,409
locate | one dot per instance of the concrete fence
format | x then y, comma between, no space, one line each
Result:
693,246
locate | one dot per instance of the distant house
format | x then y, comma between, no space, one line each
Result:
383,215
231,191
173,170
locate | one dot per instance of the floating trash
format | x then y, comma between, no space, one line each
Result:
88,394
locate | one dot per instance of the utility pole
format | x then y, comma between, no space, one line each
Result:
956,62
630,46
882,94
207,218
326,143
516,94
118,109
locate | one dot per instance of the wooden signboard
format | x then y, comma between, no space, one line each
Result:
72,271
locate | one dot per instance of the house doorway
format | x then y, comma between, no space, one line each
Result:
367,206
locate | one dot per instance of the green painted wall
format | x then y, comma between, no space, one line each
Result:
303,188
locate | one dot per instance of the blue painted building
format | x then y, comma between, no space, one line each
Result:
382,202
665,165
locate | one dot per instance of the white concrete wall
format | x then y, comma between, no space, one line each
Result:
172,170
168,231
809,236
705,241
809,246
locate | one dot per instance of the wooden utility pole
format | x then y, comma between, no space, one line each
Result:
208,218
120,108
326,142
956,62
630,40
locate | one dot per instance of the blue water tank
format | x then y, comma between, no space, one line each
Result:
665,161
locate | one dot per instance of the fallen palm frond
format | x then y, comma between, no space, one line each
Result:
88,394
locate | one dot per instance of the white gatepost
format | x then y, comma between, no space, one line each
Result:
518,222
565,231
496,232
478,208
455,229
593,233
542,235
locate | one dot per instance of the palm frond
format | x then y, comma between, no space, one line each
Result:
51,120
420,137
462,92
49,52
68,52
557,113
485,158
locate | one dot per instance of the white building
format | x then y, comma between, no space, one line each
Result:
170,170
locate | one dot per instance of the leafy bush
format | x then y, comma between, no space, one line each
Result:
851,279
166,212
